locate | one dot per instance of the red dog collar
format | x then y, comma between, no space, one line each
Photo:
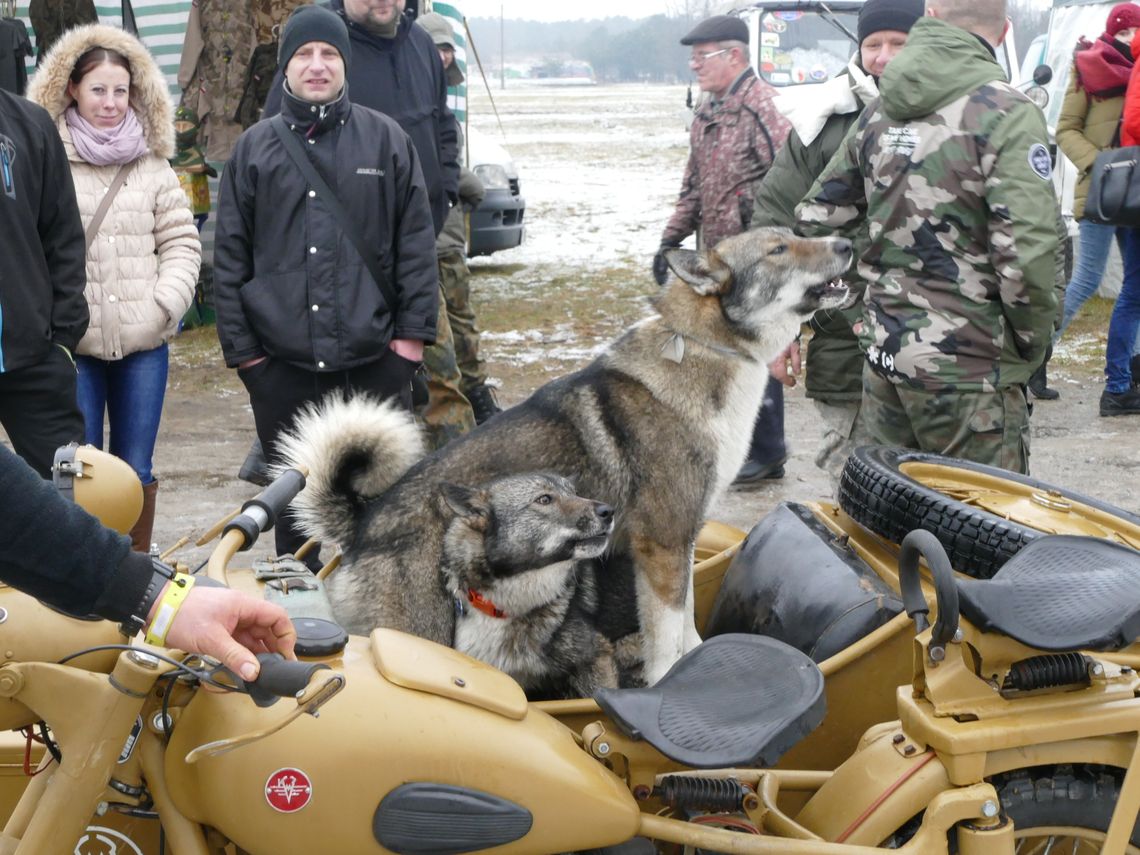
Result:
483,604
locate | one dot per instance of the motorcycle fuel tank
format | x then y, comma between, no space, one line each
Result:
424,750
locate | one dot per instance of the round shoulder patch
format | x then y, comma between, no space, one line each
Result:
1040,161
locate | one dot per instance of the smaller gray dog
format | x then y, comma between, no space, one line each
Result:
518,560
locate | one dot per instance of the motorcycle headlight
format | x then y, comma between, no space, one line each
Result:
1038,95
493,176
100,483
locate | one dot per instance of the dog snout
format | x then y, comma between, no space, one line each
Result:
842,247
603,511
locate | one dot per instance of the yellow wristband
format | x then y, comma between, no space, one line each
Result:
168,607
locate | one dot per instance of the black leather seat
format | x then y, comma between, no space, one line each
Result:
736,700
1061,592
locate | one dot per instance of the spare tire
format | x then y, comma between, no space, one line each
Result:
982,515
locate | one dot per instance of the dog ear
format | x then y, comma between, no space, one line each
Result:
704,272
466,503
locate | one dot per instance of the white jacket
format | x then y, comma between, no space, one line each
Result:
142,267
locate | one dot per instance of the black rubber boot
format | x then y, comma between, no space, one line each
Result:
767,452
483,402
1039,384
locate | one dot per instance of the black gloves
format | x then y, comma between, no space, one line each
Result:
660,265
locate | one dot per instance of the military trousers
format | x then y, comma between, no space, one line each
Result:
455,277
447,414
984,427
843,430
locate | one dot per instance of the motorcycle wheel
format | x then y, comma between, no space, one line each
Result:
981,514
1061,808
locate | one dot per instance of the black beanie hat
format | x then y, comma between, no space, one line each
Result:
312,24
897,15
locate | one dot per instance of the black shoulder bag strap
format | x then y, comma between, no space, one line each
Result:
297,153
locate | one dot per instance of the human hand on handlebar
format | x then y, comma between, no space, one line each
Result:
231,627
787,364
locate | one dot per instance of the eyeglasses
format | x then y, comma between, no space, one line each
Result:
699,58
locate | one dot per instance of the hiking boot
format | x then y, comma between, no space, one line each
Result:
1134,367
1120,403
754,474
254,469
483,402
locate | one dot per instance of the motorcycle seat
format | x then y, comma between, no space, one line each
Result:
1060,593
735,700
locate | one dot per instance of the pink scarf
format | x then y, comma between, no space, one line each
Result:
105,146
1102,67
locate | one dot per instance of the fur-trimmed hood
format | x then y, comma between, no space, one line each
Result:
150,97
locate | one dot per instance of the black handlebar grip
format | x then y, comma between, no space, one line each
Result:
923,544
280,678
276,497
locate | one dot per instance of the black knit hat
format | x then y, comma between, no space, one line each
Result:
312,24
900,15
718,28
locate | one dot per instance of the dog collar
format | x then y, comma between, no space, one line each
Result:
483,604
674,348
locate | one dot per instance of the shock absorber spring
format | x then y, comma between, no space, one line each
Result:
689,792
1045,672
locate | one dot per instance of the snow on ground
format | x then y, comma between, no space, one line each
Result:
599,166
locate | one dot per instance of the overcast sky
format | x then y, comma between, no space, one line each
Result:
560,10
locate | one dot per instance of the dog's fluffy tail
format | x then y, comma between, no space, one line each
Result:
354,450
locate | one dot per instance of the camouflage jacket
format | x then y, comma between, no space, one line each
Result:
732,144
951,170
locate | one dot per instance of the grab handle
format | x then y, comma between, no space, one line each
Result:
923,544
261,512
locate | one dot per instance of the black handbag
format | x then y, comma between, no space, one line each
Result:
1114,188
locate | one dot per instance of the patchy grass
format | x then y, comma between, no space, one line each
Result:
541,322
196,363
1080,353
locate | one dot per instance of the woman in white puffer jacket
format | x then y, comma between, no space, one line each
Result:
113,110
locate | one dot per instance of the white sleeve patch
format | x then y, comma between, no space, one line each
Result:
1040,161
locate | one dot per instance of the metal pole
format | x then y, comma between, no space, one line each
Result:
502,52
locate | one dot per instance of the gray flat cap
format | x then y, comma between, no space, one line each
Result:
718,28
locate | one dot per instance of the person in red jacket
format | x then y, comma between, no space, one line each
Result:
1130,119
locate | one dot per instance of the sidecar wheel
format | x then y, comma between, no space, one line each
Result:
1062,808
981,514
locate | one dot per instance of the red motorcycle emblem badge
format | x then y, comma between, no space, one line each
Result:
288,790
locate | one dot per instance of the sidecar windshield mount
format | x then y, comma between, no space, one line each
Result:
735,700
1061,593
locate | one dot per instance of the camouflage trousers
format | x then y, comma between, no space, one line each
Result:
984,427
456,281
447,414
843,430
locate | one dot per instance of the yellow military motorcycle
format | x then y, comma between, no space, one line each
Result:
1003,738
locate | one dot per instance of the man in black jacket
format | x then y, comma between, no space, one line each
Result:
395,68
299,312
43,312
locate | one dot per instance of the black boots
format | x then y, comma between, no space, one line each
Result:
253,468
482,398
1038,384
767,453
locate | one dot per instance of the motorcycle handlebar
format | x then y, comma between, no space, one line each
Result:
923,544
280,678
261,512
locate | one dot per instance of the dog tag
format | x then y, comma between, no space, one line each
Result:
674,348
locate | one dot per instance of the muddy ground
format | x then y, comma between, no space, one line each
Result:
599,168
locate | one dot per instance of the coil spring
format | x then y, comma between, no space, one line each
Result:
1043,672
718,795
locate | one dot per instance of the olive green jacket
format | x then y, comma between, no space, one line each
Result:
1086,127
834,362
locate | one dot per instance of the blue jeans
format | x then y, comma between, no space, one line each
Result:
1125,321
131,391
1092,258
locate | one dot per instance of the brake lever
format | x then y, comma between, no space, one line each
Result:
309,702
